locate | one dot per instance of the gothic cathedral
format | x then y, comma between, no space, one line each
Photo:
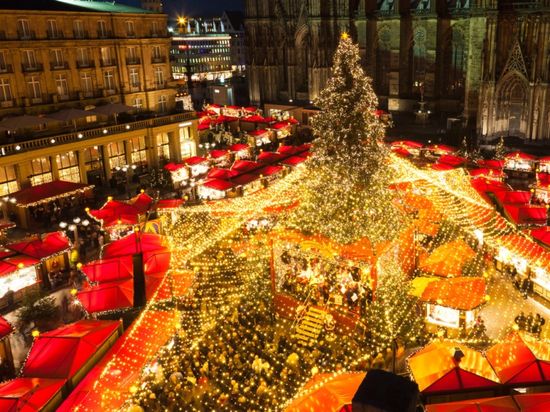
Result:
485,60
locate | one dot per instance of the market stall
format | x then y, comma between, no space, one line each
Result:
282,129
491,163
452,160
519,164
544,165
526,215
258,138
409,147
256,121
18,275
108,296
109,270
43,195
213,189
179,173
6,355
31,394
117,217
219,158
234,111
448,260
269,157
51,251
452,303
496,175
197,165
447,367
240,151
498,404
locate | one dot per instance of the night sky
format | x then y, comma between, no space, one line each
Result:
195,7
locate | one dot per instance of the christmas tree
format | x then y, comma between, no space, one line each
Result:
500,149
345,194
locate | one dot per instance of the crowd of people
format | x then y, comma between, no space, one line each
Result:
530,323
62,209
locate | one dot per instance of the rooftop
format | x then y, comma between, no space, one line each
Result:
71,5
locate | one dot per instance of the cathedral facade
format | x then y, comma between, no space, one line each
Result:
485,60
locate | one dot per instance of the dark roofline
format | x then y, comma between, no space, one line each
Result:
80,6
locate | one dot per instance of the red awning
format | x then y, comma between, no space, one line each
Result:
533,402
173,167
204,126
107,296
250,109
62,352
519,156
258,119
458,293
246,178
195,160
131,244
542,235
410,144
270,170
14,263
245,166
221,173
237,147
157,261
485,185
525,214
226,119
269,157
169,203
441,148
491,163
293,160
5,328
287,150
281,125
218,184
487,173
513,197
29,394
441,167
40,248
401,151
142,202
543,179
216,154
108,270
258,133
500,404
452,160
48,191
521,359
112,210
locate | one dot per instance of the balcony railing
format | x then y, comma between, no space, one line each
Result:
133,60
81,34
43,142
108,62
6,68
158,59
54,34
26,35
81,64
36,67
59,65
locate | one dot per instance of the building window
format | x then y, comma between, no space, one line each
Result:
58,59
138,150
109,79
3,62
187,145
62,86
5,90
106,56
138,103
163,147
93,160
155,28
53,32
101,28
41,171
130,32
34,89
134,77
29,59
78,29
156,53
82,57
67,165
23,29
8,180
162,105
159,77
117,154
132,55
86,83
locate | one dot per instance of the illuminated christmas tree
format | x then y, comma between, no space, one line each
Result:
345,192
500,149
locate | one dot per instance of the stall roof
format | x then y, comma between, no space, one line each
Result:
441,148
543,179
141,202
42,247
251,109
29,394
458,293
216,154
281,125
14,263
270,170
114,211
218,184
237,147
441,167
435,370
519,156
48,192
269,157
195,160
221,173
287,150
401,151
292,120
449,259
169,203
452,160
173,167
258,119
246,178
526,214
513,197
327,392
487,173
542,235
410,144
245,166
5,328
521,359
499,404
521,246
107,296
225,119
205,125
259,132
491,163
293,160
533,402
131,244
108,270
62,352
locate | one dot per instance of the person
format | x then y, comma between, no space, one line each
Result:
524,288
529,322
538,324
520,321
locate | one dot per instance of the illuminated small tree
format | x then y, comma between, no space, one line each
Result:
500,149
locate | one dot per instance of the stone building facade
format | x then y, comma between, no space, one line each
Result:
486,60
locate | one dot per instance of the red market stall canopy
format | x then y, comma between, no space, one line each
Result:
5,328
48,192
407,144
258,119
258,133
491,164
30,394
157,261
42,247
521,359
484,186
174,167
521,246
195,160
108,270
500,404
115,212
293,160
327,392
237,147
292,120
519,156
281,125
515,197
270,170
288,150
441,149
250,109
542,235
452,160
217,154
441,167
131,244
543,179
107,296
245,179
457,293
218,184
401,151
526,214
448,260
226,119
169,203
436,369
221,173
245,166
487,173
63,352
142,202
269,157
533,402
14,263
